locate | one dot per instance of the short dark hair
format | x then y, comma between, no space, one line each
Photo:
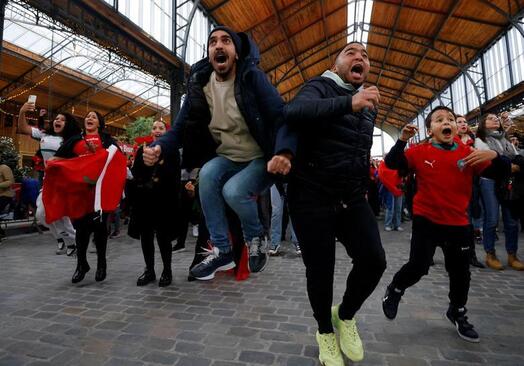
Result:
427,122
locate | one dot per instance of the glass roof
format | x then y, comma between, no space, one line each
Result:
359,17
55,42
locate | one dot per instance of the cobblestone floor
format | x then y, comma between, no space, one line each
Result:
45,320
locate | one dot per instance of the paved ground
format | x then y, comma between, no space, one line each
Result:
45,320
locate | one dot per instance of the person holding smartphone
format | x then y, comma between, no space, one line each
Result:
63,127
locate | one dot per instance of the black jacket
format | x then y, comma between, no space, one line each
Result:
153,195
334,143
258,101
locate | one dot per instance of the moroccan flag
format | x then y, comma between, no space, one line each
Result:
78,186
390,179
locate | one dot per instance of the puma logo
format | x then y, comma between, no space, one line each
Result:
430,163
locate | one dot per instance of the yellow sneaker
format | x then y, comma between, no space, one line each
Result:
350,342
328,350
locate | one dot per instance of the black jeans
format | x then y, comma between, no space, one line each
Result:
186,214
455,244
91,223
318,222
147,237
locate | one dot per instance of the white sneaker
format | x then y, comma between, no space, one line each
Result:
388,228
274,250
400,228
195,231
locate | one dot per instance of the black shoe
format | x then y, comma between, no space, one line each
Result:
257,254
80,273
165,279
475,262
146,277
71,249
100,274
190,277
390,302
213,262
464,328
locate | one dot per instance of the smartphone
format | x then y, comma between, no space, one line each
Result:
31,99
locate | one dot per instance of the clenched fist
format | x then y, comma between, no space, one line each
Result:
151,155
408,132
279,164
365,98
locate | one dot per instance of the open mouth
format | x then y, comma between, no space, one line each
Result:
357,70
446,131
220,58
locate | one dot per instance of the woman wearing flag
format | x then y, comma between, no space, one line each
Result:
90,207
153,198
63,127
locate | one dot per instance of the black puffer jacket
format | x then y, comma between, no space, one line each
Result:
258,101
334,143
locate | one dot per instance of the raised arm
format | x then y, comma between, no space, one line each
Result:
23,126
396,159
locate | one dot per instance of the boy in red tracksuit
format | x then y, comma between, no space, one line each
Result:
444,170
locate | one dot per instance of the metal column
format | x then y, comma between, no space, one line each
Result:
177,90
3,3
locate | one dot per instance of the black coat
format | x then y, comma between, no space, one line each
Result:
154,195
334,143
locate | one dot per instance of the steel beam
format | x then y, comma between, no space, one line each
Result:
287,39
510,18
390,38
113,31
459,17
3,3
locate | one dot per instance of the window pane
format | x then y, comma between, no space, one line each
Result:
516,49
497,69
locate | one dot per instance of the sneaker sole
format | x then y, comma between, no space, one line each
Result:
212,275
472,340
179,250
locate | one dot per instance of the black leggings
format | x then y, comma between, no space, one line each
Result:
455,242
147,237
91,223
318,222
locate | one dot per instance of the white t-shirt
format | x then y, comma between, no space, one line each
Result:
49,144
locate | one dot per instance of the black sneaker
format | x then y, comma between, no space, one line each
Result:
464,328
214,261
60,246
390,302
257,254
71,249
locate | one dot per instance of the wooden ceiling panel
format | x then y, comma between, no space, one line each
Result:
415,48
310,14
252,12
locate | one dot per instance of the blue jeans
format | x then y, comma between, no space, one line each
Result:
393,211
237,184
490,204
277,211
